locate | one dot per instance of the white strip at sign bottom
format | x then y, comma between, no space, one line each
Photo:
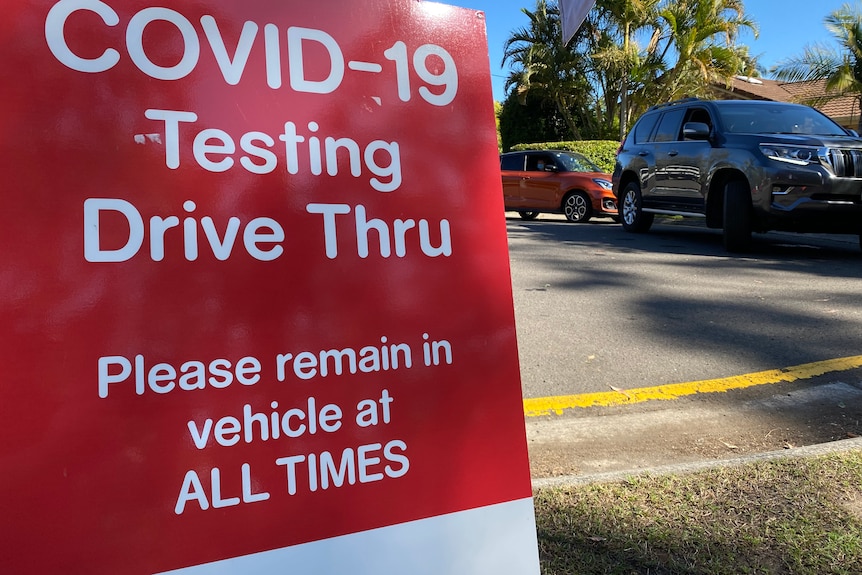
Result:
494,540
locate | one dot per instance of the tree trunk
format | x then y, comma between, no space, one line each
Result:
624,106
624,92
567,116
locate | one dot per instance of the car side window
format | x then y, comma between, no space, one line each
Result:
537,162
698,115
644,127
512,162
670,126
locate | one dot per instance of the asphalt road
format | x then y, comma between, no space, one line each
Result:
598,308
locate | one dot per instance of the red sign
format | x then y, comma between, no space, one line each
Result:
256,295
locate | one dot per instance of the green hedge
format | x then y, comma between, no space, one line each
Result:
602,152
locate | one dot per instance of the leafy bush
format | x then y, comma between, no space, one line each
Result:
602,152
531,120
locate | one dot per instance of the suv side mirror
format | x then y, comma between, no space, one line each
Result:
550,168
695,131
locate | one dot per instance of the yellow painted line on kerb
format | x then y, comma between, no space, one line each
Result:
534,407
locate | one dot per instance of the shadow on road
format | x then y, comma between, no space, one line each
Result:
691,237
680,288
602,309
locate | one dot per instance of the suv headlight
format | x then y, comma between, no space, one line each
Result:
604,184
797,155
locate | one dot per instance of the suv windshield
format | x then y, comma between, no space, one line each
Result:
779,118
573,162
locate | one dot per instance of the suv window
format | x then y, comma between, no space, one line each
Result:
512,162
669,126
698,115
777,118
644,128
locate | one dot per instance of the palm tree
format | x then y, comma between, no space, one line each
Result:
543,66
701,35
689,45
627,17
840,70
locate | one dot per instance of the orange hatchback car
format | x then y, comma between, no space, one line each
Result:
536,181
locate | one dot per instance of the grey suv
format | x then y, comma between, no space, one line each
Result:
743,165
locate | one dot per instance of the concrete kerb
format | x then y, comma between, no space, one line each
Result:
680,468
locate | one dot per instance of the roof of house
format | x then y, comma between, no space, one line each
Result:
840,107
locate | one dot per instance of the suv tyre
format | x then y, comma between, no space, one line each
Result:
737,216
632,215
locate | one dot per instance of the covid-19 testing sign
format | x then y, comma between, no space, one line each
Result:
256,306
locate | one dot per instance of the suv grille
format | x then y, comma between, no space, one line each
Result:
844,163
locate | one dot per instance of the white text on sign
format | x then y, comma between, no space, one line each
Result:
397,57
261,237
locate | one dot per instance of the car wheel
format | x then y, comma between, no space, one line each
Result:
632,215
577,207
737,216
527,215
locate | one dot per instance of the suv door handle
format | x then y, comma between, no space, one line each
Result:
672,153
643,153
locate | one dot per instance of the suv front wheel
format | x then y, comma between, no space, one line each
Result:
737,216
631,210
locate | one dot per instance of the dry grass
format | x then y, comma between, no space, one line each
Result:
790,516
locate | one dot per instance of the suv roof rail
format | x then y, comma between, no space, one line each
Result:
674,103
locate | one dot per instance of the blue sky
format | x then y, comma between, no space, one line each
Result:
786,27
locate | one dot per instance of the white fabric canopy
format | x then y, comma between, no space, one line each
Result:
573,13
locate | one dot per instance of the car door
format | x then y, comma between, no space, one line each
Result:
512,171
688,168
540,183
639,145
666,149
679,176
